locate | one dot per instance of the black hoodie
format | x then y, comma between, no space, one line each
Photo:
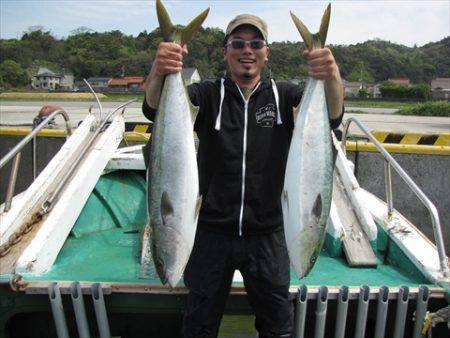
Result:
242,161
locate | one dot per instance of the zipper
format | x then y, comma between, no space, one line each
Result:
244,153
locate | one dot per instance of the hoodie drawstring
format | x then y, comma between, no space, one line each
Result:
222,96
277,100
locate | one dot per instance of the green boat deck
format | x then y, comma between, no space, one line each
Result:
104,245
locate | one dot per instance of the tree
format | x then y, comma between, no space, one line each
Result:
360,73
81,30
13,74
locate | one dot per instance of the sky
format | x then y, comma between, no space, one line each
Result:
404,22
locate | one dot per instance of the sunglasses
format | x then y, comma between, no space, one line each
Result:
240,44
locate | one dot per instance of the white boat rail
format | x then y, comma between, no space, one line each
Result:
390,161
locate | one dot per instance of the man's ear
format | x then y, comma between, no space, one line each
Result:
267,53
224,52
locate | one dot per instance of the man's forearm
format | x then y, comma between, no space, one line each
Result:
153,87
334,91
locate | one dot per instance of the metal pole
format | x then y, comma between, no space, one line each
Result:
421,310
388,184
58,310
12,182
382,308
342,308
100,107
400,313
321,312
79,309
100,311
33,155
363,307
32,134
419,193
300,311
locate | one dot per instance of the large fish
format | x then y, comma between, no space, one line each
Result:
306,196
172,176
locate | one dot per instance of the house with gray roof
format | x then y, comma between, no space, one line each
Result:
46,79
99,83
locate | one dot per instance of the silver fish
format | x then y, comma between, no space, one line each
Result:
172,176
306,196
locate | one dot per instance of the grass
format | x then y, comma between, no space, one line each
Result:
380,104
437,108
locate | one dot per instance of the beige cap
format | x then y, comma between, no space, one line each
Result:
248,19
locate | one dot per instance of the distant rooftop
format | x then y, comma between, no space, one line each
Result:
442,83
42,71
98,79
123,81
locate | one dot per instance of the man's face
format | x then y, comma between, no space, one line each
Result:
245,63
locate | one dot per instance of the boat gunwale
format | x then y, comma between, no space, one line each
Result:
39,287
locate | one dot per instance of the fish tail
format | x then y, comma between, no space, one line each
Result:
317,40
169,31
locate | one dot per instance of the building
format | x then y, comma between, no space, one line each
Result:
99,83
191,75
352,88
440,88
400,80
127,84
46,79
66,82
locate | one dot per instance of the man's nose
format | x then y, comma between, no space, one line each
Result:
247,48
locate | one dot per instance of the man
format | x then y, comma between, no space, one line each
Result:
244,124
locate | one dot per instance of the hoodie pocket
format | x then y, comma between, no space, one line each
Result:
223,196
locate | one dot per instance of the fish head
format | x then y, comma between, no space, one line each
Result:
170,255
245,63
158,260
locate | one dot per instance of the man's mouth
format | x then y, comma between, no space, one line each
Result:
246,61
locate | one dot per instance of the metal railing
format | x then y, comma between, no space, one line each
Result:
390,162
15,153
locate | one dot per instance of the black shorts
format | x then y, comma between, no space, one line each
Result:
264,264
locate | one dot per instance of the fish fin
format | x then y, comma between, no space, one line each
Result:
317,40
198,205
166,208
172,33
192,28
146,254
316,211
295,112
323,31
164,21
285,198
334,152
194,112
304,31
161,270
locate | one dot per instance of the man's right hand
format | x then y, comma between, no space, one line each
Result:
169,58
